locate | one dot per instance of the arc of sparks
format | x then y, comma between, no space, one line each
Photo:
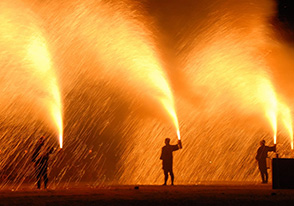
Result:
131,45
273,121
271,104
39,55
168,105
22,34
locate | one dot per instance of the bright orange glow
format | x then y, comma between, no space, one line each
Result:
38,54
178,133
130,78
285,115
127,51
60,140
272,117
24,42
168,105
270,105
230,78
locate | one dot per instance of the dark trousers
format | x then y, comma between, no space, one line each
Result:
40,175
166,176
263,171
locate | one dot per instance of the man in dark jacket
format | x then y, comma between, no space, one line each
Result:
261,159
167,159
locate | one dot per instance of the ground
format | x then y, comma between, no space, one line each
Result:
151,195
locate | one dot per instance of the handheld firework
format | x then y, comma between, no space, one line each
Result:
180,144
179,139
275,150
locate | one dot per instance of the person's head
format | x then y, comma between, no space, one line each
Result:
262,142
167,140
42,139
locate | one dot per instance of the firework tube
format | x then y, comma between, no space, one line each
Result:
275,150
180,144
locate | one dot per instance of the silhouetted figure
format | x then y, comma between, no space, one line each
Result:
38,148
41,163
167,159
261,158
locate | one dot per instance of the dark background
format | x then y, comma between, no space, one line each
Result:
286,13
286,16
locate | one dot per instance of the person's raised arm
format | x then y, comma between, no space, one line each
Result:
274,148
271,149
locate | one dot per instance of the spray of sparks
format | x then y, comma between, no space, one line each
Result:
131,47
38,54
116,62
286,117
270,107
30,95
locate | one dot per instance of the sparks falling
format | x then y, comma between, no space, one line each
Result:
129,70
39,55
24,41
127,51
286,117
271,109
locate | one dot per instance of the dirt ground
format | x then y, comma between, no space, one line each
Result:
151,195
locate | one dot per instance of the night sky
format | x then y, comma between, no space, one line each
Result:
286,13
